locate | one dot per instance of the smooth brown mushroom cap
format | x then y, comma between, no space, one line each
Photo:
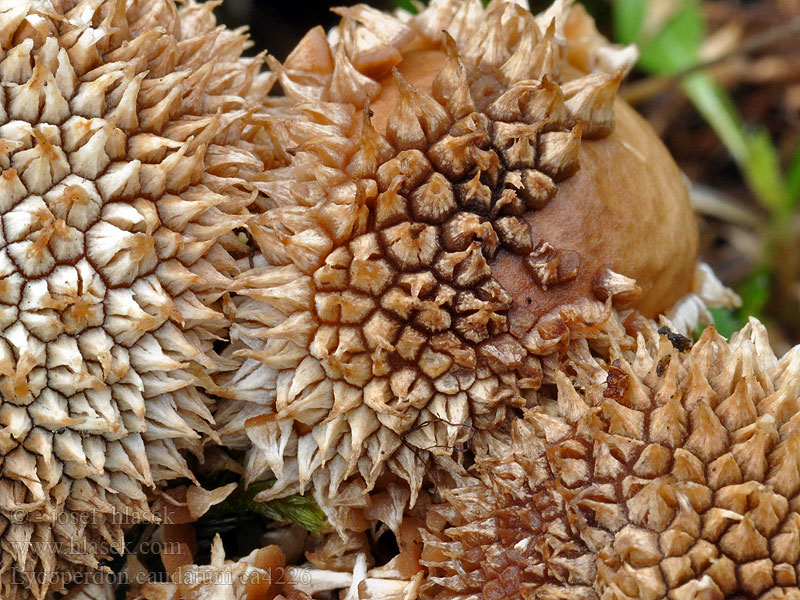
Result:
627,208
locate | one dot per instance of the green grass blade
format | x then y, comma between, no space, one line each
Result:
677,46
628,18
672,48
793,179
302,510
755,153
716,107
762,170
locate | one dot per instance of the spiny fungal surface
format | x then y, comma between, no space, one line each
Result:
371,330
128,136
657,472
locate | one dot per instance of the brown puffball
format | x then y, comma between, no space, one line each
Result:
383,320
626,209
670,472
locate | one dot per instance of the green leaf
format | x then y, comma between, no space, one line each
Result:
727,321
755,153
628,18
672,48
302,510
407,5
754,292
677,45
793,179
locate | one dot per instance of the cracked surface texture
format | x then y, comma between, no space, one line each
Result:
666,472
127,136
373,325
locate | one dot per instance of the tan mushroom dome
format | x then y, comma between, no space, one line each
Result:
455,203
624,209
128,135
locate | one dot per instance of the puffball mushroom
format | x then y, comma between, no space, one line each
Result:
128,136
661,471
455,202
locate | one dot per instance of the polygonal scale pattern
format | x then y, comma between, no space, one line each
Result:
370,330
410,310
674,475
125,146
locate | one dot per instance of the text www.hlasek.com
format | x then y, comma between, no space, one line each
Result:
88,548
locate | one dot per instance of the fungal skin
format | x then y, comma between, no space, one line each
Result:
388,311
128,137
663,471
261,574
